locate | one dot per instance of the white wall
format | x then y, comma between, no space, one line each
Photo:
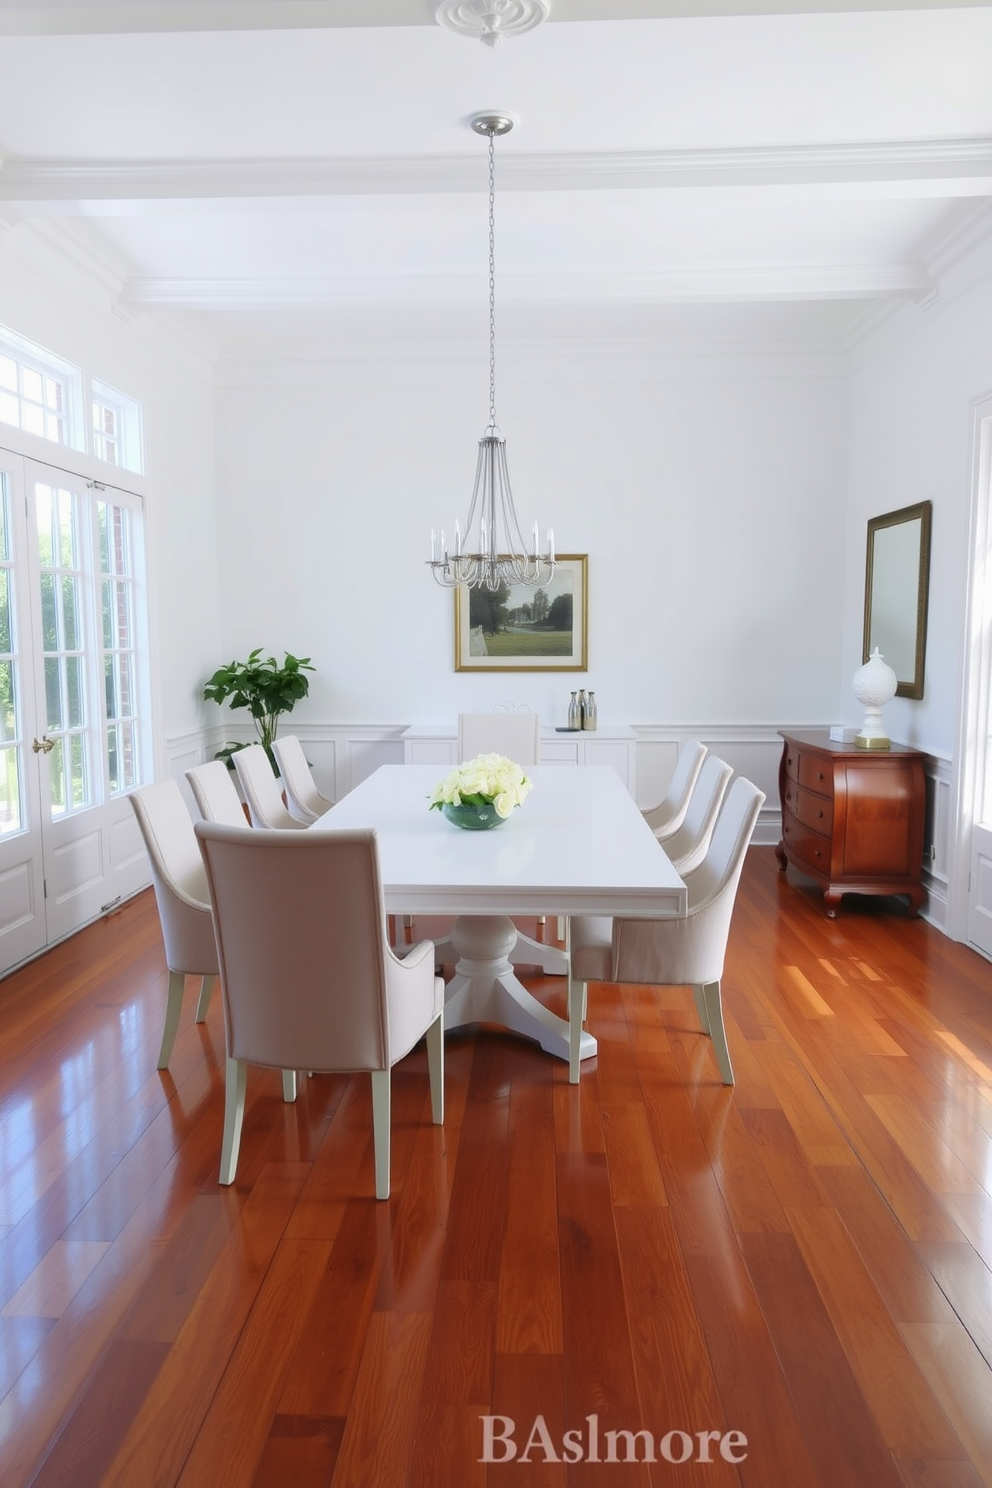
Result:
912,387
709,500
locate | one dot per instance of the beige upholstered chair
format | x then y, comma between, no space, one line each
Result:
309,979
266,806
181,896
686,848
304,800
215,794
666,818
517,735
673,952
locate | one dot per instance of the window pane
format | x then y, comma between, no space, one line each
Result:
56,778
8,722
5,644
110,681
125,663
10,793
10,409
74,689
34,419
67,529
8,373
33,385
77,755
113,759
43,507
4,554
49,613
53,695
69,608
102,519
129,755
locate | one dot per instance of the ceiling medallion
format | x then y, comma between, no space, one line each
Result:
491,20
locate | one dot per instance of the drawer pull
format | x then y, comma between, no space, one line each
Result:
819,774
817,853
820,815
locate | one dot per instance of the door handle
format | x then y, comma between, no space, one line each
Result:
44,745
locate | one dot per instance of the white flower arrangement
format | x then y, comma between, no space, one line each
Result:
487,779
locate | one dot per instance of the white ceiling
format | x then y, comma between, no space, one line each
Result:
273,170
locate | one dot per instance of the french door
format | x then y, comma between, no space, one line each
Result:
72,685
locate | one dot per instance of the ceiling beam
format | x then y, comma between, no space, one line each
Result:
928,168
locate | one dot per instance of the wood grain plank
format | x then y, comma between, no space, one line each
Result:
456,1389
837,1422
528,1317
378,1437
908,1415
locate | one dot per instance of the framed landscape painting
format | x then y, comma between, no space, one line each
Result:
522,628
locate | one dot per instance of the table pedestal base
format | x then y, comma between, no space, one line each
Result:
485,988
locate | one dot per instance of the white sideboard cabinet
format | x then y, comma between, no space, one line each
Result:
437,744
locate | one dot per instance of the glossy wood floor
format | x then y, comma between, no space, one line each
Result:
804,1259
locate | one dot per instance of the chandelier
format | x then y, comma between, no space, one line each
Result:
491,551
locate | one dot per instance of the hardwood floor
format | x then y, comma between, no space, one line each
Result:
804,1260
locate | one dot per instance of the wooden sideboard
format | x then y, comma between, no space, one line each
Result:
853,819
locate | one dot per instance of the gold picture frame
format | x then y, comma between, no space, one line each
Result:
897,585
501,633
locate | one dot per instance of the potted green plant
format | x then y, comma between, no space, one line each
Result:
263,686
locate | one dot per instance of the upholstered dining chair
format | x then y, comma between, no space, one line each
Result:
182,899
686,848
215,794
517,735
666,818
308,976
689,951
263,796
304,800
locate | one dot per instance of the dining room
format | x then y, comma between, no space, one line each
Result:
721,282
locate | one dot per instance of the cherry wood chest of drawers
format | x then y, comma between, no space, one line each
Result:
853,819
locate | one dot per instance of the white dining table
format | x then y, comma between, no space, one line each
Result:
577,846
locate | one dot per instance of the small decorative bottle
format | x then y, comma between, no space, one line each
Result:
574,717
582,707
589,719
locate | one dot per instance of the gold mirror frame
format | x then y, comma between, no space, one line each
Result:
897,586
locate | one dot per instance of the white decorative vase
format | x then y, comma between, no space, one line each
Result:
874,685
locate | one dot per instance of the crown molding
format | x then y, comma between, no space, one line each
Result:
904,168
78,18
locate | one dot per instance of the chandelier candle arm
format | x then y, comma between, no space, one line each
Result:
492,550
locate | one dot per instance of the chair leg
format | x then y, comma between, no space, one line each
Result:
173,1007
713,1003
206,992
380,1130
435,1067
289,1086
576,1018
234,1110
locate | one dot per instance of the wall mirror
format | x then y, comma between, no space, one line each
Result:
897,582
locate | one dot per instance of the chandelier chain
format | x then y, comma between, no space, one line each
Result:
492,281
